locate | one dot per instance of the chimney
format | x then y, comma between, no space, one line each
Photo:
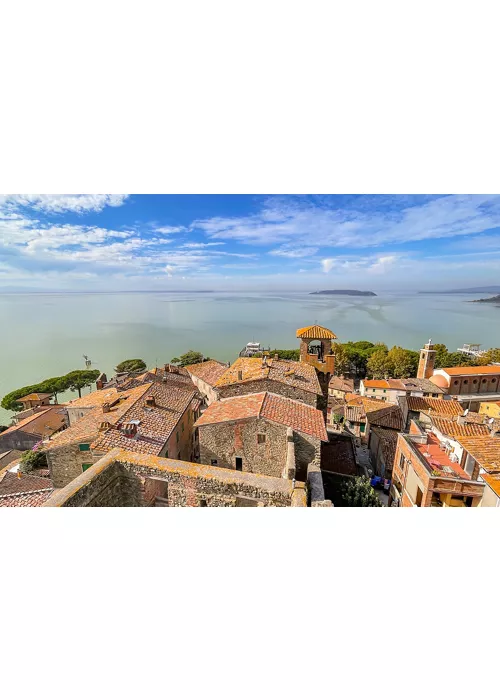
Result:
461,420
105,425
264,361
106,407
276,357
150,401
495,433
129,429
240,375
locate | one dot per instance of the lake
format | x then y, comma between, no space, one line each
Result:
45,335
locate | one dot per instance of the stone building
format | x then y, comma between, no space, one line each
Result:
127,479
258,433
361,413
155,418
29,431
392,389
426,361
316,348
249,375
205,376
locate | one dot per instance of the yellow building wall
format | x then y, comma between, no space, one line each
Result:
490,408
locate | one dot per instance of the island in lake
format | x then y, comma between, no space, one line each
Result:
490,300
346,292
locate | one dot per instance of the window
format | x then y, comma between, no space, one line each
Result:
362,427
261,438
402,463
85,467
418,499
85,447
239,464
466,381
202,503
468,501
213,462
373,390
385,391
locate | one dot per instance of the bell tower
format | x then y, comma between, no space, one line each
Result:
427,360
316,348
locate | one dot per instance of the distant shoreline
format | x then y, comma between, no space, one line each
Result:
345,292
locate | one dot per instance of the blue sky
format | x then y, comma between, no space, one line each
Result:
241,242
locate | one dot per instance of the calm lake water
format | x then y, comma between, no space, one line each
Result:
45,335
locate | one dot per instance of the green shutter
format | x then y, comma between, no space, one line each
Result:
84,447
85,467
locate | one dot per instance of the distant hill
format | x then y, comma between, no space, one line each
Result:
346,292
490,300
492,289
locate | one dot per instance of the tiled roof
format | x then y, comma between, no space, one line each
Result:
341,384
156,423
452,428
354,413
389,417
352,397
376,384
96,398
9,457
483,419
294,414
34,397
388,441
483,369
297,374
485,449
421,384
43,423
438,461
12,487
315,332
493,481
26,500
443,407
88,426
210,371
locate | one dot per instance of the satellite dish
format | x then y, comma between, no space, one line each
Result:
466,411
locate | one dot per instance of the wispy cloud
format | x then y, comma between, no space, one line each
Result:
329,225
59,203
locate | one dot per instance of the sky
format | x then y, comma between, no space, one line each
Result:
116,242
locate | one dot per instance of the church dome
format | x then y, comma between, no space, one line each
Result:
439,380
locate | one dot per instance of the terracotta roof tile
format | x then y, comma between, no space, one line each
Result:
42,423
340,384
26,500
443,407
376,383
452,428
485,449
12,485
483,369
210,371
294,414
315,332
493,481
296,374
156,423
88,426
34,397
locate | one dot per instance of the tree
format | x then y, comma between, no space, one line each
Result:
80,378
191,357
32,459
378,366
441,355
491,355
401,362
175,360
136,365
358,493
286,354
342,360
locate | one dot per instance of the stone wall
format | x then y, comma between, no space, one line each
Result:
274,387
66,462
226,441
18,440
129,479
207,390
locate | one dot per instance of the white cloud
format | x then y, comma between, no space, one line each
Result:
328,225
202,245
58,203
291,252
171,229
328,264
